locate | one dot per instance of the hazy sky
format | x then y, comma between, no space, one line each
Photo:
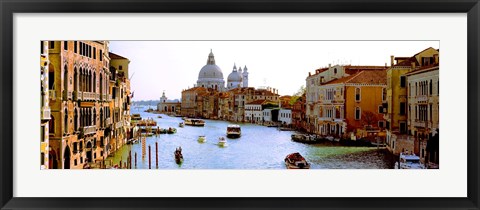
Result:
172,66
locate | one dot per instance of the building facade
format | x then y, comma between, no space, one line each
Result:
80,100
168,106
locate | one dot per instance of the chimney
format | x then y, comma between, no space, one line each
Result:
391,60
385,65
435,57
309,74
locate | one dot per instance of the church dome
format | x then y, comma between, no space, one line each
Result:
210,71
234,77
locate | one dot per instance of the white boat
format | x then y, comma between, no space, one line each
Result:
181,125
234,131
222,142
202,139
409,161
194,122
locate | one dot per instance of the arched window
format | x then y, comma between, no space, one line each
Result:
101,118
94,83
65,120
357,94
431,87
94,117
65,78
75,119
75,79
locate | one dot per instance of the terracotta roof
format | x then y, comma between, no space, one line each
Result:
409,61
115,56
430,67
363,77
196,89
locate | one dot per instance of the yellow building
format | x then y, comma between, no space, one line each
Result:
76,84
44,107
120,103
396,102
351,103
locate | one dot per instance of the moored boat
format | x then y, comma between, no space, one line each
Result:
171,130
178,155
194,122
296,161
409,161
181,125
234,131
202,139
222,142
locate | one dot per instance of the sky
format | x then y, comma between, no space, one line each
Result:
172,66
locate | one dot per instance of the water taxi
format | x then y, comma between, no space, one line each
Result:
296,161
194,122
233,131
202,139
222,142
409,161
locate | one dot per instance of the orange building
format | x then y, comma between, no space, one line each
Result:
351,103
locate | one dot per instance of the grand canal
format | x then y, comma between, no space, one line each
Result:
259,147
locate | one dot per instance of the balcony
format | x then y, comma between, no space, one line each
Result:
422,124
89,96
52,95
89,130
422,98
97,96
45,113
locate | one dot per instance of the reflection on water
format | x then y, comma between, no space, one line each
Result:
259,147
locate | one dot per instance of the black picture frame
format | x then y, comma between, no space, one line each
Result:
10,7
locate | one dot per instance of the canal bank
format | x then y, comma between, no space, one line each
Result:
259,147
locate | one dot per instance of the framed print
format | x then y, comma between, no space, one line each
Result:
208,104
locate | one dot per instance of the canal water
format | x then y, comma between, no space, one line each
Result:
259,147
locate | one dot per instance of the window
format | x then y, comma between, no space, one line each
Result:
431,87
42,158
357,94
51,45
384,94
41,47
65,45
94,53
75,46
380,109
120,67
402,81
357,113
402,108
403,127
101,55
335,70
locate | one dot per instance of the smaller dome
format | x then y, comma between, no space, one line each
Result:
234,77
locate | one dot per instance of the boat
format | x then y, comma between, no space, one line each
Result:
181,125
202,139
171,130
234,131
136,117
178,155
222,142
159,116
194,122
304,138
409,161
296,161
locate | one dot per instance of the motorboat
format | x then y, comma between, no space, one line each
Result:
409,161
171,130
181,125
136,117
234,131
202,139
222,142
296,161
194,122
178,155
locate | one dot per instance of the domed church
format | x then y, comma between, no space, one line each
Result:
237,78
211,76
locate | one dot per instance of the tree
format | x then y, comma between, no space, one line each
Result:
298,94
